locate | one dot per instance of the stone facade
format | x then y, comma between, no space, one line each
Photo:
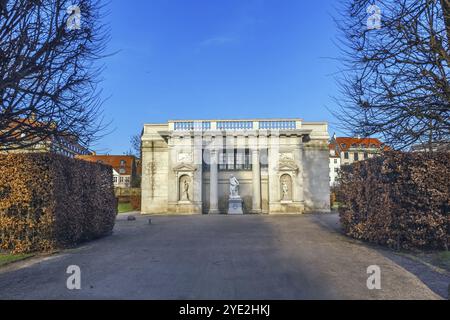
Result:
281,166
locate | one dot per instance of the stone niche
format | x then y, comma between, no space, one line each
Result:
288,186
185,190
285,188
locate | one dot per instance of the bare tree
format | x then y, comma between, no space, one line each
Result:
49,72
136,150
396,79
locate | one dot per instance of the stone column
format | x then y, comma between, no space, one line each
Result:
213,183
197,155
274,183
298,196
256,170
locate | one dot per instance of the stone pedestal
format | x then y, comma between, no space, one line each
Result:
235,206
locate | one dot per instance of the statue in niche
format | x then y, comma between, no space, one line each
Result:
234,187
286,188
186,190
185,186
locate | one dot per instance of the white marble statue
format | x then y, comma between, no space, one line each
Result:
285,190
234,187
186,190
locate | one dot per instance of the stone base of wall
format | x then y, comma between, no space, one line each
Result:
311,207
288,207
317,210
186,207
153,208
198,208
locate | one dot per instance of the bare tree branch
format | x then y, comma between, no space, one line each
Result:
136,148
396,79
49,72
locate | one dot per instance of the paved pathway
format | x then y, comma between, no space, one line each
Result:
216,257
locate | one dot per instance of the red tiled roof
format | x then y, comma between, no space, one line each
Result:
345,143
114,161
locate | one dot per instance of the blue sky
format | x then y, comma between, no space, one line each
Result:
202,59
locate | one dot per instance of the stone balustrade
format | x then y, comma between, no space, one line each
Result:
278,125
236,125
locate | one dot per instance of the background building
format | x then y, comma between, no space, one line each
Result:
335,165
355,149
441,146
124,168
66,146
346,150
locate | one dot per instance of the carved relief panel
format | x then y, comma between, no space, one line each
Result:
184,157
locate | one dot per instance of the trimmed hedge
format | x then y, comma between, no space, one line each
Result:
401,200
49,201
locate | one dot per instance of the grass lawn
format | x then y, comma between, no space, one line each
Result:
125,207
439,259
443,259
9,258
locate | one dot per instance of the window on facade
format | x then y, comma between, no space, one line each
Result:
235,159
122,163
206,161
121,179
231,159
264,158
345,155
122,170
335,169
222,161
240,155
248,160
115,179
366,155
356,156
335,161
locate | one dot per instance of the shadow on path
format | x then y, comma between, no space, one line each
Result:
437,281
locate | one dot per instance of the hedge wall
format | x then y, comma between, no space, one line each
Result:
399,199
48,201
